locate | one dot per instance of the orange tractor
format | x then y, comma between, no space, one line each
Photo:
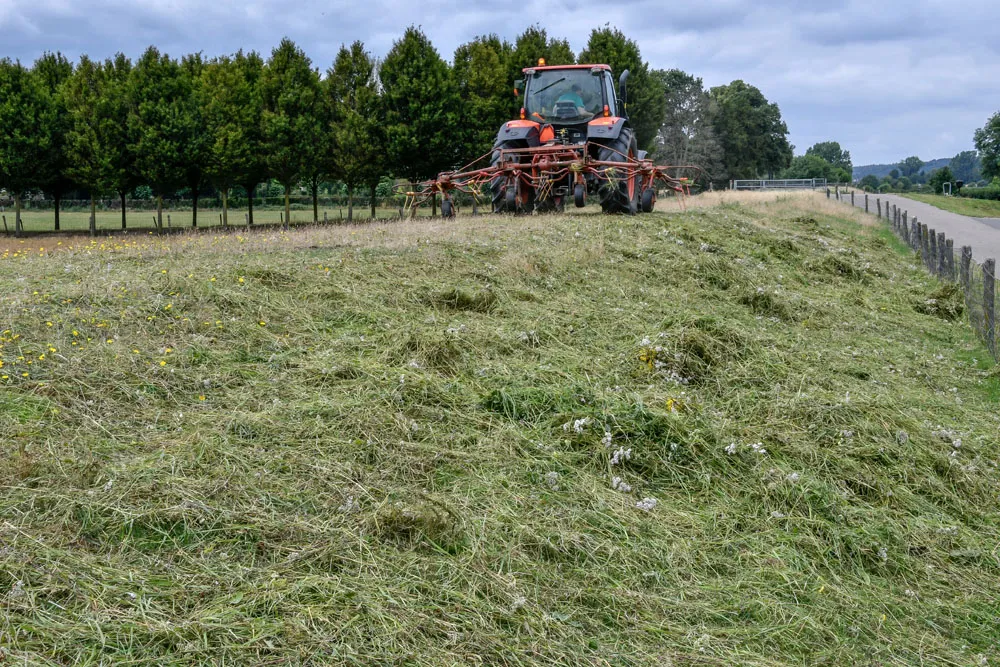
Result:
573,138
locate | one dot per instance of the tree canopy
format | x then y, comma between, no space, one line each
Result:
754,137
987,140
834,154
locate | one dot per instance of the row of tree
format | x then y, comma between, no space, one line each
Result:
913,173
237,121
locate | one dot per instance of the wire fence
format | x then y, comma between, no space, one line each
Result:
937,253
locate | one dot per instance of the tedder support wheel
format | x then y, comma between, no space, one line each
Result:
647,200
580,195
619,194
447,209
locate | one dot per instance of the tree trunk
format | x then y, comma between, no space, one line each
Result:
225,208
56,198
251,191
159,214
434,204
17,215
315,194
413,208
350,204
93,216
194,208
372,200
121,194
288,204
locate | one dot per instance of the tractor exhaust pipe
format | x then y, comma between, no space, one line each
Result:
623,92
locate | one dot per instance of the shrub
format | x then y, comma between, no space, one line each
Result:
991,192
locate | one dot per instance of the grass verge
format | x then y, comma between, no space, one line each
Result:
743,434
976,208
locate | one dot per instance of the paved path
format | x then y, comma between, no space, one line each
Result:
983,234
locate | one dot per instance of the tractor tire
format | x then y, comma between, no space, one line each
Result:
619,195
647,200
447,209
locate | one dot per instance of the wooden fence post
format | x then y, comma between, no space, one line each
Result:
965,268
325,219
828,193
475,207
925,245
932,256
852,197
989,307
866,202
836,191
915,234
949,250
942,265
878,202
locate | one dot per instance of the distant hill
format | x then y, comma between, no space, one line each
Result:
882,170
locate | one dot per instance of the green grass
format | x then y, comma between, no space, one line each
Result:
110,221
388,445
976,208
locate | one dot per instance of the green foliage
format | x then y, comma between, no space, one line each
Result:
990,192
357,126
809,166
904,183
987,139
87,146
52,70
24,109
939,178
869,182
834,154
966,166
754,137
687,135
646,103
115,113
911,166
421,107
160,123
480,75
532,44
291,94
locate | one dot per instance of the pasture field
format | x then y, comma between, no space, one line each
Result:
110,222
975,208
751,433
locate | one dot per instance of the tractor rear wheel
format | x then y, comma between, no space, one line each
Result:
447,209
619,194
647,200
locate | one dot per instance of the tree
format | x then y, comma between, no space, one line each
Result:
834,154
869,183
88,157
687,134
52,71
966,166
938,178
532,44
23,110
480,75
754,137
421,107
351,88
114,110
987,140
291,92
809,166
195,147
232,112
894,174
646,102
160,123
911,166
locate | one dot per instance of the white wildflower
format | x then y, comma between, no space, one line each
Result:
619,484
606,440
793,478
902,437
621,455
883,554
645,342
777,515
349,506
17,590
110,483
758,447
518,602
552,479
646,504
731,449
847,433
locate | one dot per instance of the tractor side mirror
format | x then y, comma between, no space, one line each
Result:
518,86
622,90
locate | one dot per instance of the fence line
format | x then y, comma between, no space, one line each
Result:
937,253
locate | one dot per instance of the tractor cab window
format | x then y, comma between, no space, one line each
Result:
563,96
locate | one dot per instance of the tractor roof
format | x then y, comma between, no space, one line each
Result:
543,68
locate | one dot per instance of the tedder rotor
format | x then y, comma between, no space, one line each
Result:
573,138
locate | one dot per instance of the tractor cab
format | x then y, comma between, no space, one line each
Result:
568,98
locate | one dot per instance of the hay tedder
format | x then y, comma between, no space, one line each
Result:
573,138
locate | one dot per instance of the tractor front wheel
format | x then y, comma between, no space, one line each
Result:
580,195
647,200
509,196
619,191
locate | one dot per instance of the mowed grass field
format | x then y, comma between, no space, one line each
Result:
751,433
976,208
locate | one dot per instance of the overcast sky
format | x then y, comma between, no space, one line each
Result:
885,78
